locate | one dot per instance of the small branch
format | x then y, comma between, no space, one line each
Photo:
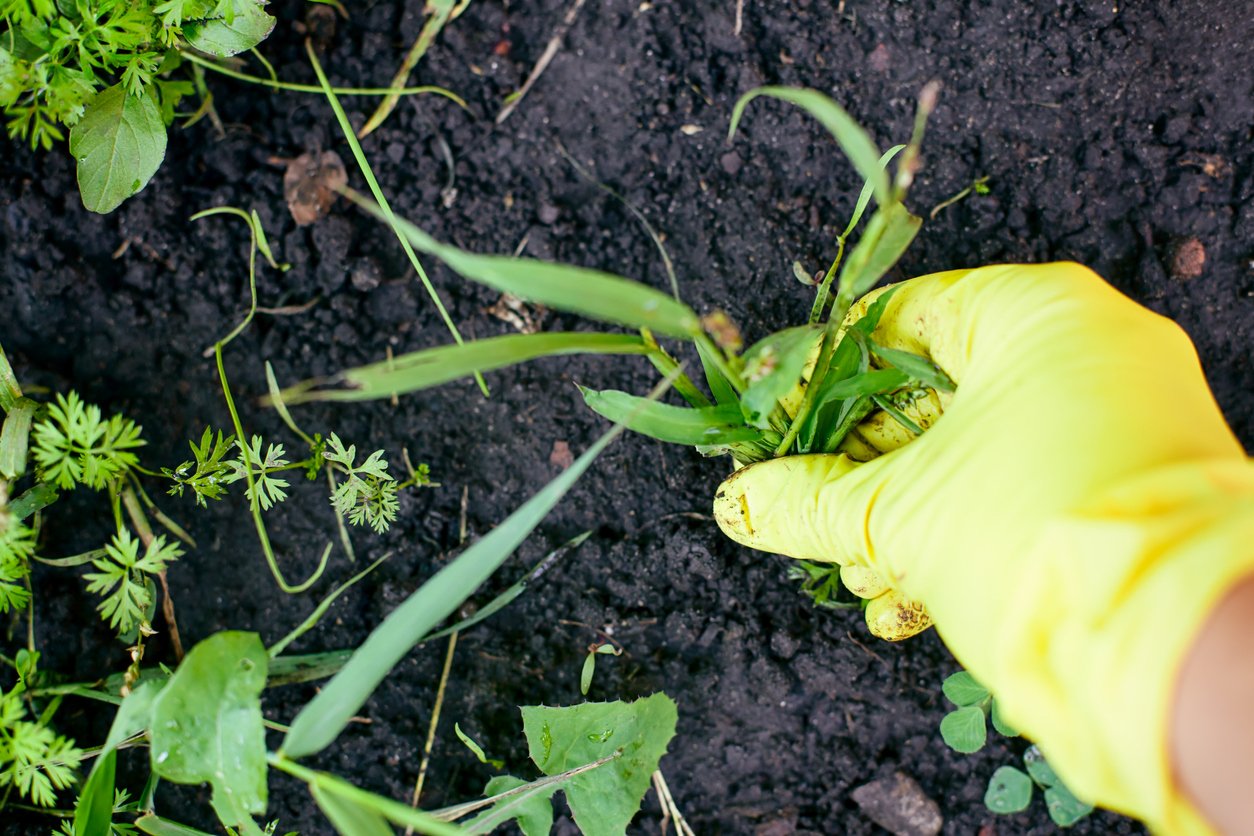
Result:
140,521
435,722
546,57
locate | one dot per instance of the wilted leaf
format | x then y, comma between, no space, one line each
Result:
311,183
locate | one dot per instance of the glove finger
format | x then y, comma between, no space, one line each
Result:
893,617
810,507
862,581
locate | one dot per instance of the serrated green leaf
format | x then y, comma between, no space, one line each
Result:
534,813
207,724
1039,768
999,723
852,138
603,800
774,366
420,370
1009,791
918,367
888,234
965,730
118,145
676,424
250,26
963,690
1064,808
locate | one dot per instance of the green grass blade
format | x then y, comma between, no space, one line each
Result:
324,717
724,393
918,367
433,366
314,617
15,436
774,365
9,390
157,826
887,237
712,425
33,499
868,383
852,138
868,188
384,207
564,287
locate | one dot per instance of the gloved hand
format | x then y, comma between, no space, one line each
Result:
1069,521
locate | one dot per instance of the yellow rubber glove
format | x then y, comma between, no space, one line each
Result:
1069,521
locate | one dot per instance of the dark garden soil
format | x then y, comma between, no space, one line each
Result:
1113,136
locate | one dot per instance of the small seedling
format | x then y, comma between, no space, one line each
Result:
1010,790
590,663
966,728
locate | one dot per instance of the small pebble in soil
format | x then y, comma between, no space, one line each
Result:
899,805
367,274
1188,259
730,162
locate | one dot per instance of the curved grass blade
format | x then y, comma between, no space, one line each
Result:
434,366
888,235
14,438
852,138
918,367
10,391
563,287
677,424
324,717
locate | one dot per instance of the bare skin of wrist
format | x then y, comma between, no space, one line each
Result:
1212,723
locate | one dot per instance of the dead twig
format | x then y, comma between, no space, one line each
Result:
546,57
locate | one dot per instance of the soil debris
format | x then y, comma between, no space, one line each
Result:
310,184
899,805
1188,259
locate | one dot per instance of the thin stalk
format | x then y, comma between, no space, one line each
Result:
824,292
381,199
252,268
140,521
314,88
255,507
439,17
435,722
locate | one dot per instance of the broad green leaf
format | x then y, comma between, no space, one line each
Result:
853,140
965,730
207,725
325,716
888,234
720,387
250,26
962,690
918,367
14,437
349,818
9,390
676,424
868,383
1009,791
93,814
564,287
603,800
431,367
773,367
157,826
118,145
1064,808
1039,768
999,723
534,813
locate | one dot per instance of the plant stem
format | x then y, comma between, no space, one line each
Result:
140,521
314,88
825,288
435,722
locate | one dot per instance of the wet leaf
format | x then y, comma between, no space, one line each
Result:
1039,768
118,145
603,800
248,26
1009,791
676,424
1064,808
311,183
207,727
999,723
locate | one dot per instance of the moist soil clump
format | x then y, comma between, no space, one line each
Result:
1110,135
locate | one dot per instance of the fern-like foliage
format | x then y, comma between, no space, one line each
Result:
34,759
122,578
267,490
208,476
17,545
75,445
122,805
368,494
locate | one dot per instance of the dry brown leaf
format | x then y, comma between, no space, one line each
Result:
310,185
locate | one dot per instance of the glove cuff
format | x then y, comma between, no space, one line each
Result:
1089,656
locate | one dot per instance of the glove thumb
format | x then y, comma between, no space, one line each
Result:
812,507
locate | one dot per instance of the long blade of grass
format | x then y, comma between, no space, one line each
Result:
384,207
888,235
314,617
917,366
33,499
564,287
853,140
868,188
15,436
9,390
324,717
712,425
433,366
720,387
439,12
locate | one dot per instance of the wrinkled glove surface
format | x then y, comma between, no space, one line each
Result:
1068,522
